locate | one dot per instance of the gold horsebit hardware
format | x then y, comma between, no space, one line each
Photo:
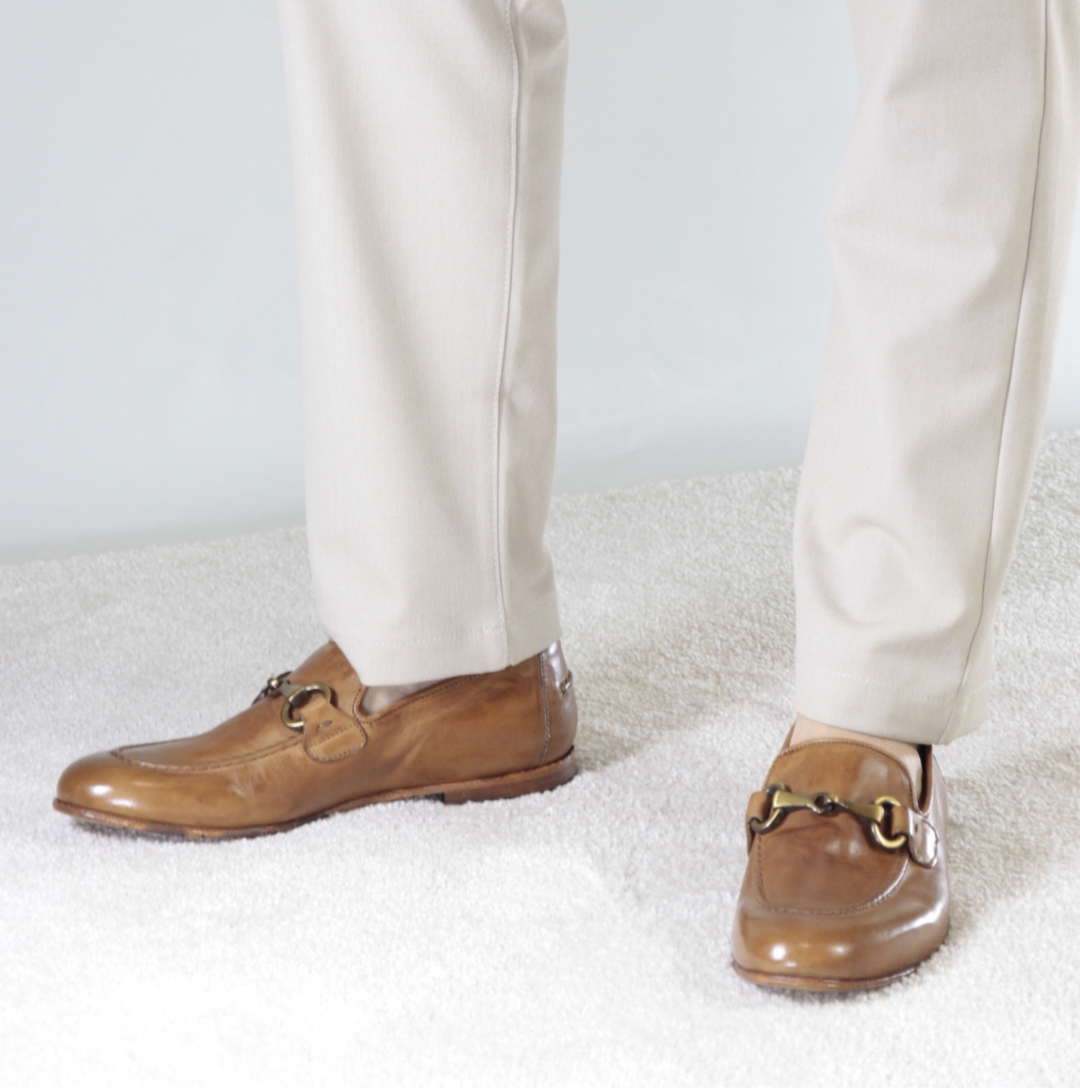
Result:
827,804
294,695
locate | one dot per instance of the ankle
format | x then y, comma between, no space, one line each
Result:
908,754
380,696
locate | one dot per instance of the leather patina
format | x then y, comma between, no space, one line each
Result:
491,735
823,905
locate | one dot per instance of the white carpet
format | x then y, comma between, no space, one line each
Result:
579,937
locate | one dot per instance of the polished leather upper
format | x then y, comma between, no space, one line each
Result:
256,771
822,899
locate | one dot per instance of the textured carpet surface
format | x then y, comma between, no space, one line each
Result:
578,937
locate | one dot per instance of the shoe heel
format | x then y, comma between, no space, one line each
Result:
535,780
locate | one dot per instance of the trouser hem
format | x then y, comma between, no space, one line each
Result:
882,708
463,652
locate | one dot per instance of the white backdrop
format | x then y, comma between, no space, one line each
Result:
148,328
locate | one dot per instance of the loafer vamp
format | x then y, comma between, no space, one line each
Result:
256,732
250,769
823,865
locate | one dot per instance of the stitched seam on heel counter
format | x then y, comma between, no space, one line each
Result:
542,659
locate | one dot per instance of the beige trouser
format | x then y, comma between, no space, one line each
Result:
427,144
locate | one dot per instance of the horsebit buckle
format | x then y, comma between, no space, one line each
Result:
294,695
784,801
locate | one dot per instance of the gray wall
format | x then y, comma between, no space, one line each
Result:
148,328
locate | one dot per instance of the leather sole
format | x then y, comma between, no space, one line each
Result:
819,985
500,787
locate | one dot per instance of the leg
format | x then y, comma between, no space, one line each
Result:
427,142
427,149
948,232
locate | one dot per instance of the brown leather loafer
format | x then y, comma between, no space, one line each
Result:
304,749
846,887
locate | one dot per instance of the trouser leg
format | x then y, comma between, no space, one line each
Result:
427,138
949,232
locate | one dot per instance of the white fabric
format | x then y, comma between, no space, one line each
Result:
427,148
574,938
949,234
427,143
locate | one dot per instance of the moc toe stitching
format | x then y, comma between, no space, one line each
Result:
893,886
210,765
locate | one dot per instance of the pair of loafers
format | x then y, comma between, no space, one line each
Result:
846,885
